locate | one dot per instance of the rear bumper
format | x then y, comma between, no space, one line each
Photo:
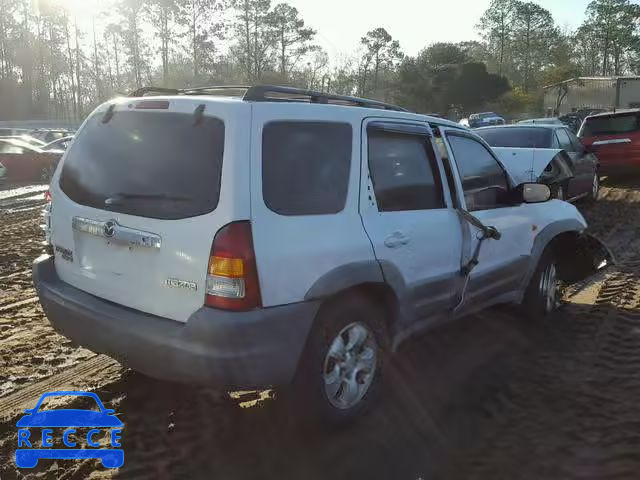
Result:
260,348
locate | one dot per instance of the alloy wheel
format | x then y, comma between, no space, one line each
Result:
350,365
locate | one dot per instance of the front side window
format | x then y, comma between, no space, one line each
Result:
483,180
403,172
305,167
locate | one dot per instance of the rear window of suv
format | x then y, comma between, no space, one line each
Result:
610,125
517,137
305,167
162,165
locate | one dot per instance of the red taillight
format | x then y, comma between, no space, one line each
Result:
232,275
47,196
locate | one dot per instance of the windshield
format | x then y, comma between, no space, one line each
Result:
610,125
517,137
137,155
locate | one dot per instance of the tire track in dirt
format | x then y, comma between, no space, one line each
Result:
572,409
94,371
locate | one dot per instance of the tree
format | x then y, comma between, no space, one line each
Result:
611,29
380,51
496,26
162,14
294,39
205,27
255,36
534,34
441,54
131,11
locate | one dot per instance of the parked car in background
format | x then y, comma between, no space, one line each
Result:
541,121
34,142
173,263
615,138
49,135
584,179
25,163
14,132
485,119
59,145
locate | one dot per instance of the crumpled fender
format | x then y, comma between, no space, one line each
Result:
535,164
581,255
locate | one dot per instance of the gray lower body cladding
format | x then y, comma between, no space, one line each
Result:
254,349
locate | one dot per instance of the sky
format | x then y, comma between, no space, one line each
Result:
341,23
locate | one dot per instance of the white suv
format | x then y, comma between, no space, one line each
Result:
287,236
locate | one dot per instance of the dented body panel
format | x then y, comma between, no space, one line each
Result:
546,165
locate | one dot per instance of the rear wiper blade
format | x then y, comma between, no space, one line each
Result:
119,197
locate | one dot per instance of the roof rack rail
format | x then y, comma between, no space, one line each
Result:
271,93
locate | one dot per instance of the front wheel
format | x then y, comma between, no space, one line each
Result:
340,373
542,295
595,187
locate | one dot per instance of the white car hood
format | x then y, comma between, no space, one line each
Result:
525,164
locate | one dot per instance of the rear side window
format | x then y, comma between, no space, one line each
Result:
153,164
564,140
610,125
517,137
305,167
403,172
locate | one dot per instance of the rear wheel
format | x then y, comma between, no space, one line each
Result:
542,295
340,373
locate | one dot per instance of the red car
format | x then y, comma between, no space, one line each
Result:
615,138
22,162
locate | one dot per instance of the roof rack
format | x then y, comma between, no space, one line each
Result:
271,93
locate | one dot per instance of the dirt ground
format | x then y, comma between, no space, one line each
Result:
489,397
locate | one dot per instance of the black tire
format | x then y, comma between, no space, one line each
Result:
309,394
536,303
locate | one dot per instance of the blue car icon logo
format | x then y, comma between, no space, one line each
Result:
68,419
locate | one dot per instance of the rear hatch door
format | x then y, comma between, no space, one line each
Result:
615,138
138,200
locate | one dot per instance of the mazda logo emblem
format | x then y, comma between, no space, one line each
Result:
109,228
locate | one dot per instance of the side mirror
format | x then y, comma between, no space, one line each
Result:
534,192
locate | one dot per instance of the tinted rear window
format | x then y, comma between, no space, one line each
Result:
517,137
153,164
305,167
614,125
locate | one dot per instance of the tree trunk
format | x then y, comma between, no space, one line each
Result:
527,57
79,88
376,72
115,55
194,39
70,60
247,28
283,67
96,64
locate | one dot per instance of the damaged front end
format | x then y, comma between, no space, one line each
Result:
580,255
544,165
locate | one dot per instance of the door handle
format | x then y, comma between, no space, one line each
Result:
396,239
